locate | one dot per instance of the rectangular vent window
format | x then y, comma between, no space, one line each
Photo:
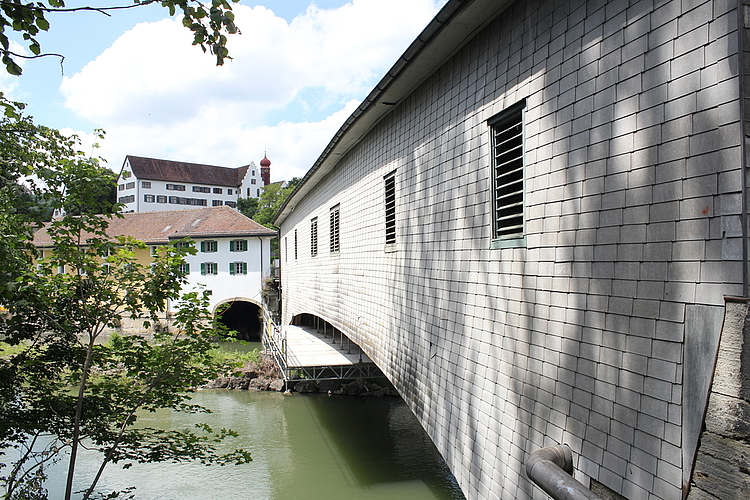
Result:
508,172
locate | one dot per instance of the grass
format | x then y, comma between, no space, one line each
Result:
8,350
225,355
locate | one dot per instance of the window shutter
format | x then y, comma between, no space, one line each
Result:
203,246
244,245
203,266
231,268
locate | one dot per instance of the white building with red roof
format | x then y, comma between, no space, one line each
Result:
150,185
233,256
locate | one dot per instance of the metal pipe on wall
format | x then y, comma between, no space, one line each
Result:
550,468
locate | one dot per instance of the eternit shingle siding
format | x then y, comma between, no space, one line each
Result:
590,334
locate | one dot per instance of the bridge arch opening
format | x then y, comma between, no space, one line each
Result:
244,317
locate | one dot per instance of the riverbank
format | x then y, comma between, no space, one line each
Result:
266,376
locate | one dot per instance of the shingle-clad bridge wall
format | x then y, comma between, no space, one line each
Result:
601,329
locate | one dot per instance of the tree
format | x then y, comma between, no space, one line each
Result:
53,323
264,209
208,24
248,206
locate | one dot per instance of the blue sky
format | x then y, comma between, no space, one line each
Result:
299,69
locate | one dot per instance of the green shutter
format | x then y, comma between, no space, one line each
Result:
244,245
203,246
231,245
231,268
203,266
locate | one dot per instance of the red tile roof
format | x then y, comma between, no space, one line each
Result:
177,171
161,227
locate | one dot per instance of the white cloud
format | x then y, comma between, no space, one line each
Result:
287,90
8,82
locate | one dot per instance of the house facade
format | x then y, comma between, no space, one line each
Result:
233,255
534,225
150,185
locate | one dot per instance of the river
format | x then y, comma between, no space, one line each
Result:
304,446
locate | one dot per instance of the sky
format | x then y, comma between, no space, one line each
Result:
299,69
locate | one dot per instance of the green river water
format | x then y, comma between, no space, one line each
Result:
304,446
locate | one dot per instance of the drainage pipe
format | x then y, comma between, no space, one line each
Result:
551,468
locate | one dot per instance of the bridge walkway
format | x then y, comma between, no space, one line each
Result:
305,353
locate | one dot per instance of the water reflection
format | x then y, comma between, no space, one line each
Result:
311,447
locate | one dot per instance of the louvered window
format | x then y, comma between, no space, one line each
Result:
314,237
508,172
390,208
334,229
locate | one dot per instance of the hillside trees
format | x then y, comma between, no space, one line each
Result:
60,387
264,209
209,24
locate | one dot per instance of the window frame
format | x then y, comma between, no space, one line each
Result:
389,199
209,269
239,267
314,237
334,226
509,218
209,246
238,245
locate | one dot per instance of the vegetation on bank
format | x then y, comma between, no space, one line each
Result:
52,324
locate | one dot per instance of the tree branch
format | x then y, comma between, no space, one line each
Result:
101,10
22,56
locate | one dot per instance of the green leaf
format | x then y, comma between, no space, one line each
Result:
42,23
11,67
